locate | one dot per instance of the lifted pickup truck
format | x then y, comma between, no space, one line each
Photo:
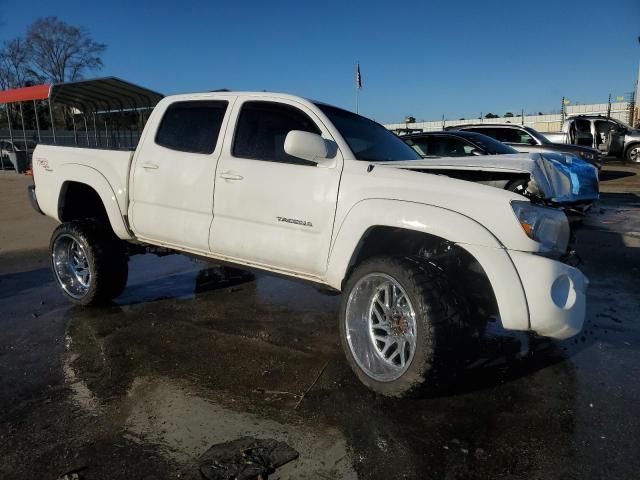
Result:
306,190
609,136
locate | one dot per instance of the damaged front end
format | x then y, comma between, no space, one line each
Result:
562,180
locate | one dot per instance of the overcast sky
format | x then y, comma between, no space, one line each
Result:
424,58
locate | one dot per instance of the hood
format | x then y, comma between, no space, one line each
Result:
633,132
565,147
515,163
555,177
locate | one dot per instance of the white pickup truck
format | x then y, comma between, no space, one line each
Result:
313,192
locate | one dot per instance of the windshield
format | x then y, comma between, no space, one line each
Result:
368,140
490,145
536,134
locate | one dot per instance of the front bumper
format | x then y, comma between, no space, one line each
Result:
555,293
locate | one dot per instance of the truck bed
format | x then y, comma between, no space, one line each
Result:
54,166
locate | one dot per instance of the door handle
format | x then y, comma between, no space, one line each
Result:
149,166
230,176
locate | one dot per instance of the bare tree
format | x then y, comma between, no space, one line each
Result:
59,52
14,64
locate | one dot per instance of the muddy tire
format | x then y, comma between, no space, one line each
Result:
88,262
400,324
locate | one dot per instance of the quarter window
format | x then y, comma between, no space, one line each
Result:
192,126
262,128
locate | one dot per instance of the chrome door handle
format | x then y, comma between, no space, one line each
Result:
149,166
230,176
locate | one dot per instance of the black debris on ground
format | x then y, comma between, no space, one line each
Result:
246,458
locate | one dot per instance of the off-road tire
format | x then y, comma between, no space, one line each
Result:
106,258
441,320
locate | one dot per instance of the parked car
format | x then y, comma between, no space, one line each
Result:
610,137
14,155
551,177
312,192
526,139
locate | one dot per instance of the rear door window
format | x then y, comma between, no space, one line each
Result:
192,126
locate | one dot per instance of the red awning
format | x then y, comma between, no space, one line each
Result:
37,92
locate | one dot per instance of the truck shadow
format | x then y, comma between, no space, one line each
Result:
12,284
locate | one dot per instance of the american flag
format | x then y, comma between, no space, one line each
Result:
358,77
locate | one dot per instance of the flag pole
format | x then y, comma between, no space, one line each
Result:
358,87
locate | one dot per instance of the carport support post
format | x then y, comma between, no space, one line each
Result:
86,130
53,127
24,132
6,106
73,121
35,111
95,129
106,131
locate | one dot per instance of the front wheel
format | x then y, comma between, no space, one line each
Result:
88,263
633,153
518,186
398,324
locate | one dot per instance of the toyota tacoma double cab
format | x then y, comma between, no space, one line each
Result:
306,190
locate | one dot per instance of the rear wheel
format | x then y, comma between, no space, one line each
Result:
88,263
398,325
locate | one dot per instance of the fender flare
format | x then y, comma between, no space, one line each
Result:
93,178
441,222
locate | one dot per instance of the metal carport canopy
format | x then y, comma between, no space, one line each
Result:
103,94
25,94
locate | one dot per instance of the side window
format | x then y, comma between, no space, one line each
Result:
421,145
455,147
262,128
191,126
489,132
512,135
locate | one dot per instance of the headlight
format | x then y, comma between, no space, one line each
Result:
587,155
548,226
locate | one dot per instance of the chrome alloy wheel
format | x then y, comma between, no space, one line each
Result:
381,327
71,266
634,154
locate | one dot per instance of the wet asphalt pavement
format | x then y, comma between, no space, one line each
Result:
192,355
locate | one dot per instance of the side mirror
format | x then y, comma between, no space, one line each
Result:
307,146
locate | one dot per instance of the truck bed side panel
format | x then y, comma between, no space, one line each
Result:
106,171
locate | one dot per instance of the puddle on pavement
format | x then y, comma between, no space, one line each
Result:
161,412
